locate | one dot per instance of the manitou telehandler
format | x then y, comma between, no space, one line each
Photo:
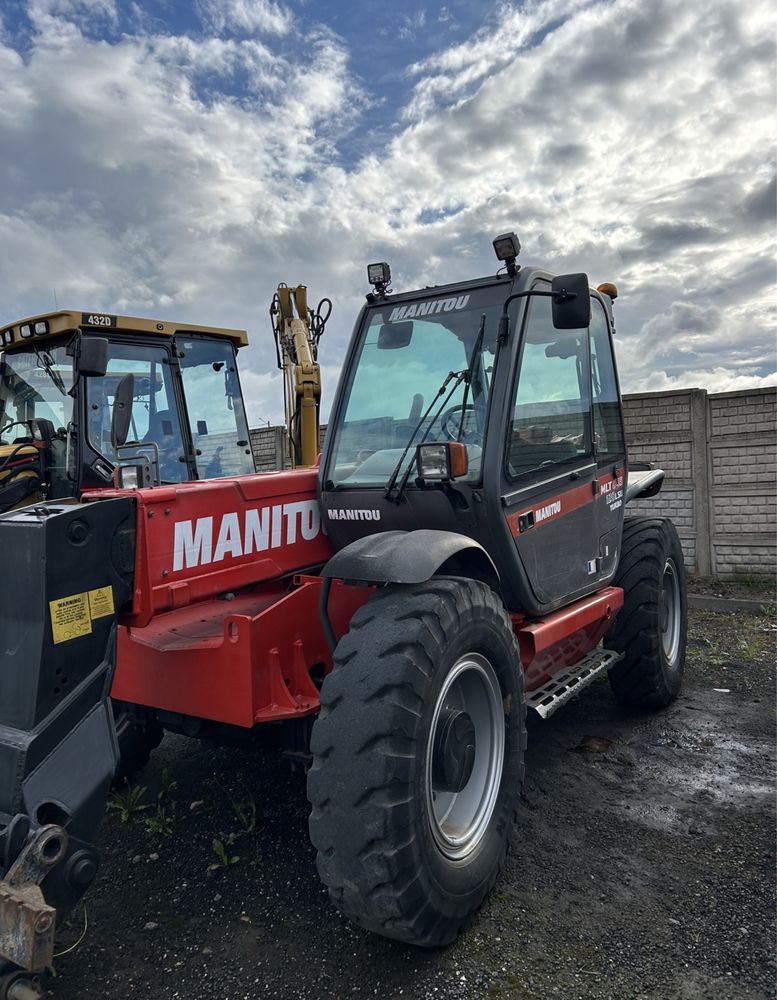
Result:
459,556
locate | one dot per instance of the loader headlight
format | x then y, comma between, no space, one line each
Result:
442,461
25,330
132,477
129,477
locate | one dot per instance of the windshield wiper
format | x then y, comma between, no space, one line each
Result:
456,378
46,362
476,351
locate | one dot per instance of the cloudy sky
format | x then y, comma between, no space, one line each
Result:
178,159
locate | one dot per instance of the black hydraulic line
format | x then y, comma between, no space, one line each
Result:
323,610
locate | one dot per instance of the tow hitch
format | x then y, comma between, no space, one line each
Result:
73,570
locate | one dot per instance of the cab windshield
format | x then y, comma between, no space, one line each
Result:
393,402
34,385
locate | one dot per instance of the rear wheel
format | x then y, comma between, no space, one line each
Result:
651,628
418,759
137,739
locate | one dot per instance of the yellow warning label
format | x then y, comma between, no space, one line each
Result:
70,617
101,602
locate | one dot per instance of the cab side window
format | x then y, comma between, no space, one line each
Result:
609,443
551,412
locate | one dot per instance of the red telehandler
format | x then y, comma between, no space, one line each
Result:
459,555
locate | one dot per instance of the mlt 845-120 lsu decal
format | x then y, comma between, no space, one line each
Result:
609,487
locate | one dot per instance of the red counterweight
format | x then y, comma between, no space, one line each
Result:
224,623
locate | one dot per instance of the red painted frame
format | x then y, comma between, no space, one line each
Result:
225,621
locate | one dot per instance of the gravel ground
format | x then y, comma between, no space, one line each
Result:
647,865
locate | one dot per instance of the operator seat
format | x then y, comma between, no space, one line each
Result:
163,430
160,426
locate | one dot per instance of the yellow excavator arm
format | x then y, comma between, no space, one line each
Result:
297,331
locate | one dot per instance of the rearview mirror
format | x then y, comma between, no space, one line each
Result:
92,360
571,302
122,410
231,384
566,347
392,336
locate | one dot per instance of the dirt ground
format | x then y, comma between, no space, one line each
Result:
647,866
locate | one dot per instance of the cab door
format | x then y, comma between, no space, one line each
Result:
551,479
608,440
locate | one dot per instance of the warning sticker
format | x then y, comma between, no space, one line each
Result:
101,602
70,617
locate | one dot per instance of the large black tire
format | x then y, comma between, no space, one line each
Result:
651,628
397,859
137,739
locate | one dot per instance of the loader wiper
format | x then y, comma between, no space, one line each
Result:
46,362
476,353
456,378
467,375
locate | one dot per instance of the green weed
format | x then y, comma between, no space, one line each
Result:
245,811
223,858
129,802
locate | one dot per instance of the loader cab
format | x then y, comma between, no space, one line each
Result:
60,378
481,408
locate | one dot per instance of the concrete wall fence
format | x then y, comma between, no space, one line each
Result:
719,453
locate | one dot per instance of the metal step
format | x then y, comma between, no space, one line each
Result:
570,681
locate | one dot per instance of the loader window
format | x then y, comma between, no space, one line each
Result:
34,384
609,441
154,410
550,424
214,404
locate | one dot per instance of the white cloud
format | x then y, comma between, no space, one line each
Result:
246,16
713,380
185,175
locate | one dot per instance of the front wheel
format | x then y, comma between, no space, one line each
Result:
418,759
651,628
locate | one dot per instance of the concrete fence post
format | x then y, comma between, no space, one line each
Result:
700,467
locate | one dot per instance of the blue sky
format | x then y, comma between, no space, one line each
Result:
180,159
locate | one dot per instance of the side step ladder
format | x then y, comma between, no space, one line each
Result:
569,682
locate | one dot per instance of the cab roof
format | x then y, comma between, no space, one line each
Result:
52,324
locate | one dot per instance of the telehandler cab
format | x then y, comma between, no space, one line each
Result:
460,556
61,374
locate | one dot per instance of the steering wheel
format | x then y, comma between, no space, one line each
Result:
451,420
13,423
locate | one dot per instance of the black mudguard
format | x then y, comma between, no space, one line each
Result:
411,557
68,570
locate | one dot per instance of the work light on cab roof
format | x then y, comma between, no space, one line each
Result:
378,275
507,247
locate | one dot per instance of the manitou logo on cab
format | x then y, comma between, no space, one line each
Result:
257,530
549,510
353,515
429,308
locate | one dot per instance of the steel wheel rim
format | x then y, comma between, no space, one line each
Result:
459,820
671,613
